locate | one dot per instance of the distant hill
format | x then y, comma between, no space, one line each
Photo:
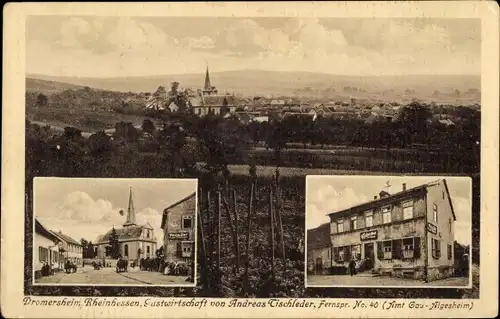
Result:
48,87
273,83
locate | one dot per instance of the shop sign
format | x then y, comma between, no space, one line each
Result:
178,236
369,235
431,228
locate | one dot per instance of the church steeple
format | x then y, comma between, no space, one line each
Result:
208,86
131,212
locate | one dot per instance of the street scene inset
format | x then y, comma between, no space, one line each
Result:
78,238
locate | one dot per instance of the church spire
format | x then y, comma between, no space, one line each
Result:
208,86
131,212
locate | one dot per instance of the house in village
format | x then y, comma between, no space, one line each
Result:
135,241
45,249
319,259
406,234
71,249
179,229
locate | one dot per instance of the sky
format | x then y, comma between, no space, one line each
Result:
93,46
328,194
87,208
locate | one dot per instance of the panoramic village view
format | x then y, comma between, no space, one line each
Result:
250,107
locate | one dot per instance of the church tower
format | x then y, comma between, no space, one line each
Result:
131,212
208,89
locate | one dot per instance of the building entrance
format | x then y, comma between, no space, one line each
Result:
319,265
369,256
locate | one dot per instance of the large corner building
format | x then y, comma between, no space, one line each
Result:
406,234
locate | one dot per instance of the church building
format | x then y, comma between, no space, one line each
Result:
210,101
135,241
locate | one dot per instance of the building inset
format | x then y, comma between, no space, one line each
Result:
135,241
406,234
178,224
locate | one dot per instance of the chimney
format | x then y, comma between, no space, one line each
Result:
404,187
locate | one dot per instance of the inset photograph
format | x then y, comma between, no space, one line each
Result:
119,232
388,231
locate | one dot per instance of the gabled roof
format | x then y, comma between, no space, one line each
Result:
218,100
39,228
129,232
319,237
165,211
391,197
65,238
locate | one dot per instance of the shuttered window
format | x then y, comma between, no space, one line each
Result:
408,248
356,252
336,256
396,249
369,219
416,243
435,213
380,251
408,210
449,252
386,215
387,246
340,226
436,248
354,222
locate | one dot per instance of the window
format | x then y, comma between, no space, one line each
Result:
443,194
408,210
354,222
408,248
387,249
386,215
340,226
341,254
449,252
449,225
187,222
436,248
356,252
147,250
369,219
435,213
187,248
125,248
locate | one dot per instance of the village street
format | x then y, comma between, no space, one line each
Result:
381,281
108,276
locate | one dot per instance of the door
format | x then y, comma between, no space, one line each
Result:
369,256
319,265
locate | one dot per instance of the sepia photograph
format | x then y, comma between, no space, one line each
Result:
248,106
413,231
90,231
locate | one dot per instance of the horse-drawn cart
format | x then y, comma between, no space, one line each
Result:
121,265
70,267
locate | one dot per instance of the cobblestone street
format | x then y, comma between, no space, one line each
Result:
381,281
108,276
